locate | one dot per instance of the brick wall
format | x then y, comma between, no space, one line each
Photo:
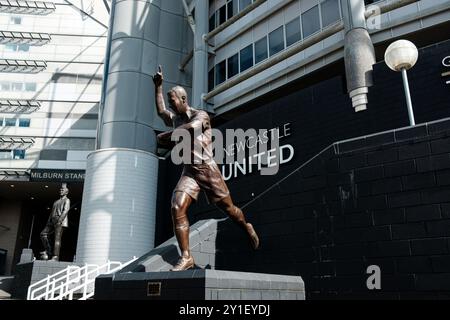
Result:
360,203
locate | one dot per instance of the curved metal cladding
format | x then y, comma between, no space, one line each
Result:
118,216
200,83
144,34
119,197
127,114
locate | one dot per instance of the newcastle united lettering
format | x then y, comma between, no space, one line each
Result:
251,149
244,151
446,63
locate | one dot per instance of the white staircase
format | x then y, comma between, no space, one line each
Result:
72,281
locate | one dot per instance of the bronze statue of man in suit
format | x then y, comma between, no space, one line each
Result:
56,223
203,174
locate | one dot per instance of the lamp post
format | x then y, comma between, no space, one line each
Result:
401,56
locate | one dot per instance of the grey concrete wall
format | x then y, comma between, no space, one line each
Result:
29,273
9,218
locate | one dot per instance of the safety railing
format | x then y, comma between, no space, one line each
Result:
40,290
72,281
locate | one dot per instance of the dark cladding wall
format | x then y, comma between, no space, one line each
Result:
382,200
328,227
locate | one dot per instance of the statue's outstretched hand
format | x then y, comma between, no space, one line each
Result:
158,77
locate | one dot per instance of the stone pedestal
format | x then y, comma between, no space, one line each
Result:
198,284
29,273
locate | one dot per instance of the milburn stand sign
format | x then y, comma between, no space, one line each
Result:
55,175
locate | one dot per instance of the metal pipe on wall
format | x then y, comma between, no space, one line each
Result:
388,6
200,68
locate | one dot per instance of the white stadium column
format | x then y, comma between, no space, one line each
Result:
119,203
119,198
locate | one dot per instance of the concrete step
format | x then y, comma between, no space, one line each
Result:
4,295
6,286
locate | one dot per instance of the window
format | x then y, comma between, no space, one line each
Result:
24,123
17,86
244,3
5,154
212,22
30,86
17,47
222,14
293,32
18,154
232,8
246,58
233,65
16,20
5,86
276,41
310,21
10,122
330,12
211,79
221,75
261,50
23,47
10,47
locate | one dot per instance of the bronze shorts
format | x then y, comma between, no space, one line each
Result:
206,177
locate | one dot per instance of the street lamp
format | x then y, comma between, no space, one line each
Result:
401,56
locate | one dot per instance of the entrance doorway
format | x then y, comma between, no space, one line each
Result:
35,200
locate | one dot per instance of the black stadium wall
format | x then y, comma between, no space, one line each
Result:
338,207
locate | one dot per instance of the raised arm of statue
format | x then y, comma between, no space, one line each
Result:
163,113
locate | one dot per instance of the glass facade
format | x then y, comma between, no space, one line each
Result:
233,65
15,154
303,26
276,41
330,12
246,58
221,70
310,21
24,123
226,12
293,32
261,50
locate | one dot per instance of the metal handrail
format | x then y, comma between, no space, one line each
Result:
70,280
47,279
86,295
52,280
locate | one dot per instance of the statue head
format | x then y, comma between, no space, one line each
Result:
178,101
64,191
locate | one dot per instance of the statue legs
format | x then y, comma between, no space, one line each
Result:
48,251
57,247
236,214
46,243
180,205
